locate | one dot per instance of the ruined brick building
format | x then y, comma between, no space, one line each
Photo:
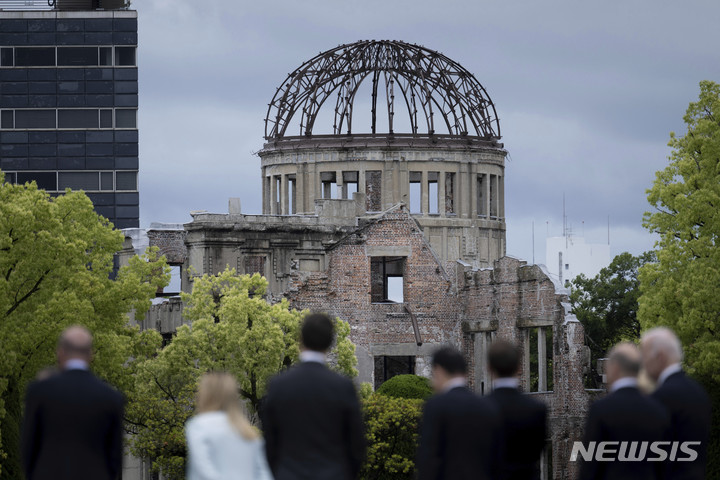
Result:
400,229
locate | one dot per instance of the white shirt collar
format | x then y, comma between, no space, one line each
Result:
506,382
669,370
454,383
312,356
76,364
623,383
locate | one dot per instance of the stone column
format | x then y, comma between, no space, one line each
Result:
441,193
284,195
424,193
526,358
300,179
273,195
473,191
542,361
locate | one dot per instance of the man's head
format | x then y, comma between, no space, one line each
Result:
447,363
317,332
503,359
660,348
623,361
74,343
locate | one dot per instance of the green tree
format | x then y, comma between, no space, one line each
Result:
392,434
680,290
607,304
56,257
233,329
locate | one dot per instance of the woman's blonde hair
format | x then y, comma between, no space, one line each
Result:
218,391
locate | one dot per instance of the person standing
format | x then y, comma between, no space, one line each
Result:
524,419
311,415
460,433
626,416
72,429
221,443
683,397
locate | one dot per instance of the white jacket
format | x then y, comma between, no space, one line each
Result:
216,451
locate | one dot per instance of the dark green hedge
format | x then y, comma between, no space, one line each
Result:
406,386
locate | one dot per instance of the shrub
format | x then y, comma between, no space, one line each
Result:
406,386
392,434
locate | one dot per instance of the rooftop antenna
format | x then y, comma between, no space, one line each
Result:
608,229
533,240
564,222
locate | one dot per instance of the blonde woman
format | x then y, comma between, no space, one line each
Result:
222,445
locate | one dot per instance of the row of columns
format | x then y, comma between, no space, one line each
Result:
286,194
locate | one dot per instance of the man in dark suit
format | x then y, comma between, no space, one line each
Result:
460,433
311,415
523,418
73,421
684,398
626,416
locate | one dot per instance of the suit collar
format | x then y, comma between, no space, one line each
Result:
506,382
669,370
312,356
454,383
625,382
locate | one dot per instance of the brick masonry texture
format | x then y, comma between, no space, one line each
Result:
324,264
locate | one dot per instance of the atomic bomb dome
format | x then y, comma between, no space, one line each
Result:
383,205
437,94
431,142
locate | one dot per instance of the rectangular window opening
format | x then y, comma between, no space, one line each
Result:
493,196
45,180
541,364
292,194
7,58
329,187
7,119
387,367
387,283
481,203
415,192
433,193
35,56
125,56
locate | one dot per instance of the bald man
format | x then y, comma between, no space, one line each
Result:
625,415
73,421
684,398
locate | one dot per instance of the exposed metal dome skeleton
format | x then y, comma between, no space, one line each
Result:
437,92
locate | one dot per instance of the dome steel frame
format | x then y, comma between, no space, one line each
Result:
428,81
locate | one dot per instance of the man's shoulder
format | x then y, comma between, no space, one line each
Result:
505,398
678,388
309,372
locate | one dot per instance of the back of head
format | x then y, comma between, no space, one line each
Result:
660,349
317,332
625,359
450,360
504,358
218,391
75,343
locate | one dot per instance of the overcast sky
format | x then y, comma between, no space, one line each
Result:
586,93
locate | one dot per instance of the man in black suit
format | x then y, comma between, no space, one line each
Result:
684,398
524,419
73,421
628,417
311,415
460,433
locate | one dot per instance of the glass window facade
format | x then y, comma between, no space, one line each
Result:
68,106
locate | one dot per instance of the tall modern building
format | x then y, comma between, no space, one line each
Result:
69,99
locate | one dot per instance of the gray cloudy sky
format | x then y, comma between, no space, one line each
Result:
586,92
